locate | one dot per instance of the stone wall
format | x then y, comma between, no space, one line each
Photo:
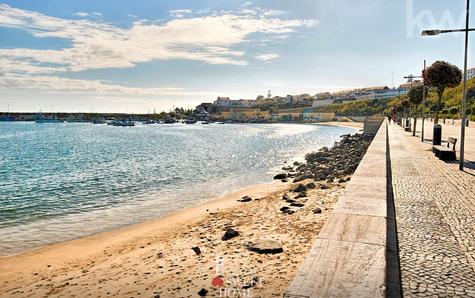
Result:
348,259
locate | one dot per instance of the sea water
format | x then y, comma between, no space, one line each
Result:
65,181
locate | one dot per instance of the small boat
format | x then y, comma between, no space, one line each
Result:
190,121
99,121
149,122
48,120
204,122
169,121
122,123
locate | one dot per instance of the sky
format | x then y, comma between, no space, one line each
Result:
147,55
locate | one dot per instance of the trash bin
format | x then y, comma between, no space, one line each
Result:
408,122
437,136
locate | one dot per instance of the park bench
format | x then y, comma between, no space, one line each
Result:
446,153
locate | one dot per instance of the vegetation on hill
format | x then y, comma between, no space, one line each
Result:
451,98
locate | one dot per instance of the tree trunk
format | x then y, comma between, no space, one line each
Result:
439,101
415,123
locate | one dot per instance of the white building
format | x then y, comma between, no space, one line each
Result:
471,73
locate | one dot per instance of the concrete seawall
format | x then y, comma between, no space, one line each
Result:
350,256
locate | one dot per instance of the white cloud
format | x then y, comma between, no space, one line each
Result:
267,57
180,13
97,13
96,44
52,84
81,14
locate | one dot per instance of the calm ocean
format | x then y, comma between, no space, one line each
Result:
64,181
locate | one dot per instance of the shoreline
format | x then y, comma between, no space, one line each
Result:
165,244
150,257
299,157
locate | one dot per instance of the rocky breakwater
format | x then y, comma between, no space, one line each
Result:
335,164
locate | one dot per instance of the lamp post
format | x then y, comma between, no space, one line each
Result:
410,79
464,96
423,101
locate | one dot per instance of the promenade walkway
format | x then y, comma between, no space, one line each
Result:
450,130
435,215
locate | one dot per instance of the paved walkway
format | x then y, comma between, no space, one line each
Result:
451,130
435,215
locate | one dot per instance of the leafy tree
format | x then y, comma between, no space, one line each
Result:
260,97
415,99
453,111
442,75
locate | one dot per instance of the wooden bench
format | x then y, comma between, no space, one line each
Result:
446,153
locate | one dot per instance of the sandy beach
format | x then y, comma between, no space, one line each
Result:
155,258
183,254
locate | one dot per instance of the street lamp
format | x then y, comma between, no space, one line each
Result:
464,96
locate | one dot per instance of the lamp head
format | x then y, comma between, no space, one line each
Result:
430,32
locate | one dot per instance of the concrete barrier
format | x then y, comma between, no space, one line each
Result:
348,259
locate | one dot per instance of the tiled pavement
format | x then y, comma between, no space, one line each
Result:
435,214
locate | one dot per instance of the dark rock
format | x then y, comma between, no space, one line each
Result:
310,185
245,199
203,292
197,250
297,204
285,197
300,188
324,186
284,209
302,194
300,178
296,163
341,180
230,233
317,210
280,176
285,180
265,247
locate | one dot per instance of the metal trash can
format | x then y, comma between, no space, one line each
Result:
437,136
408,122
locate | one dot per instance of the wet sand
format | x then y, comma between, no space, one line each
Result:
156,259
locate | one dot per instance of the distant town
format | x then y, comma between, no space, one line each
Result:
263,109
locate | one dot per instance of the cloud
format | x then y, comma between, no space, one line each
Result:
53,84
180,13
96,44
81,14
266,57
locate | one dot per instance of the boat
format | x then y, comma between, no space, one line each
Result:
204,122
190,121
121,123
169,121
99,121
43,120
149,122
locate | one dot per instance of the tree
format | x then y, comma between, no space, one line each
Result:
453,111
260,97
415,99
441,75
